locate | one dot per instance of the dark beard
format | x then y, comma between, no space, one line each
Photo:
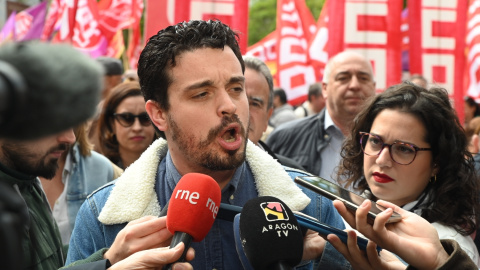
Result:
23,161
202,154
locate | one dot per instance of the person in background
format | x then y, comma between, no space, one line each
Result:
419,80
314,104
407,147
316,141
471,109
113,75
80,171
472,131
259,89
130,75
282,111
192,76
124,127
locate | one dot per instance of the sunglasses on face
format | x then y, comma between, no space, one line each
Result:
127,119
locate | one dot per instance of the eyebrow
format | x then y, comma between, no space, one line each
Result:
350,73
257,99
235,79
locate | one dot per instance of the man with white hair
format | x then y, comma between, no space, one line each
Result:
316,141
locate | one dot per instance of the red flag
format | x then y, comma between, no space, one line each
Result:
371,28
135,40
318,45
437,44
87,36
295,26
162,13
66,21
472,73
266,50
53,18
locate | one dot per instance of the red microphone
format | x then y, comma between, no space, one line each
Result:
192,209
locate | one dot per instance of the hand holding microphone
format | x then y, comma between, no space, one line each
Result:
192,209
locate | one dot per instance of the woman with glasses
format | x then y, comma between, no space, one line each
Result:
408,147
124,128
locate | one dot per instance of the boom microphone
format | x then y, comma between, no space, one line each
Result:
270,235
192,209
45,88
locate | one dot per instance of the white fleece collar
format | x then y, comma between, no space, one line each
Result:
133,195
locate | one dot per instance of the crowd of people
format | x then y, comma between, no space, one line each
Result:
94,193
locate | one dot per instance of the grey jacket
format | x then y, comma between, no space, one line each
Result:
301,140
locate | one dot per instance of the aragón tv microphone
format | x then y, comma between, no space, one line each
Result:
192,209
270,235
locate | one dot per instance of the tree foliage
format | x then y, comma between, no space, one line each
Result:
263,16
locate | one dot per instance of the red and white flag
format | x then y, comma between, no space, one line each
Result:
162,13
87,36
371,28
472,73
266,50
318,46
295,27
437,45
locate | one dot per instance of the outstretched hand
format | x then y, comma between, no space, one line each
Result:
156,259
413,238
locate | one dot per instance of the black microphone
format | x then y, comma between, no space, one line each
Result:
270,235
45,88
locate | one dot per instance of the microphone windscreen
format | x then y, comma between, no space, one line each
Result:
62,88
238,244
270,233
194,204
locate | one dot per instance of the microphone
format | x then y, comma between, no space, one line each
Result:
192,209
270,235
45,89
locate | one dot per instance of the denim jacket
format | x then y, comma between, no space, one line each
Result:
133,195
88,173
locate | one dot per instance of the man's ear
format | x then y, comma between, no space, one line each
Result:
157,115
324,90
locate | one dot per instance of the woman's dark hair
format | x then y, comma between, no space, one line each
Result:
453,199
107,140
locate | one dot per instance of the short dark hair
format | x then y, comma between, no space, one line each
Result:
453,199
260,67
280,93
314,90
111,66
160,53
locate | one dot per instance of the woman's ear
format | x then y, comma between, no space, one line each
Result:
157,115
474,146
435,170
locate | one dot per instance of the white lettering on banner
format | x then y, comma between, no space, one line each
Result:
64,31
378,59
443,62
352,34
23,22
87,25
287,77
198,8
289,56
318,50
429,41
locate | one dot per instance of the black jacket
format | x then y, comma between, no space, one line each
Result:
301,140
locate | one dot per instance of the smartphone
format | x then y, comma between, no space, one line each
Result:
324,230
351,200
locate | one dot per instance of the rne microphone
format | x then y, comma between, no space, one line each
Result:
270,235
192,209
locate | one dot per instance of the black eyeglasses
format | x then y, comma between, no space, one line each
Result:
127,119
400,152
